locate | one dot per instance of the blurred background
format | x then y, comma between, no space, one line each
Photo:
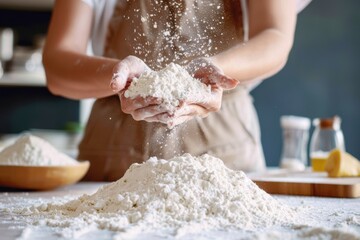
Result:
321,78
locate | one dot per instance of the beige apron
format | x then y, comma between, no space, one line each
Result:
160,32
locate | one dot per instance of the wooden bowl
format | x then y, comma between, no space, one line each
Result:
41,177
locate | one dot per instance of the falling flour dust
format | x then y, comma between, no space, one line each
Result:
170,194
30,150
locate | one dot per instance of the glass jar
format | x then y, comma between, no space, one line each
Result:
327,136
295,139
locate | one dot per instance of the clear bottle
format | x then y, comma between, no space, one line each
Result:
327,136
295,139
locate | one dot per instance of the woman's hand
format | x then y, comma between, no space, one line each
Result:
148,109
203,70
198,106
125,71
139,108
206,71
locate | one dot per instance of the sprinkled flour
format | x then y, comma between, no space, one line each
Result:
30,150
174,194
171,84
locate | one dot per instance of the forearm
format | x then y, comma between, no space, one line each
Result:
271,33
77,76
69,71
262,56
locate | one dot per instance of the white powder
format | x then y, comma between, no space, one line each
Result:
292,164
175,194
172,84
30,150
310,233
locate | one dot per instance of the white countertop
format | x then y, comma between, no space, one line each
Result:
325,218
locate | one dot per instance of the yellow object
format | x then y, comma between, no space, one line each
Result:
342,164
318,164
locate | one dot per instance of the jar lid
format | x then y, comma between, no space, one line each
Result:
333,122
289,121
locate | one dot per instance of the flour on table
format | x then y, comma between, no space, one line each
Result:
172,84
30,150
309,233
172,194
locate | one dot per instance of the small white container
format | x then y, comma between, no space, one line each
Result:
295,139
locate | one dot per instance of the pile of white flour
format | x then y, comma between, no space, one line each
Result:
172,84
173,194
30,150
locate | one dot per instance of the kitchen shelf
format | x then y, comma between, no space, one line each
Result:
23,78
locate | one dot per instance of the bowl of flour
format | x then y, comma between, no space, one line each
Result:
33,163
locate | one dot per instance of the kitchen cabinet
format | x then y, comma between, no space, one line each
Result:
25,102
23,78
28,107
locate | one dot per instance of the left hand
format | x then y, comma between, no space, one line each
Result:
148,109
203,70
198,106
206,71
187,109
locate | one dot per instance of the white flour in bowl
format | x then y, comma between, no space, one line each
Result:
180,194
30,150
171,84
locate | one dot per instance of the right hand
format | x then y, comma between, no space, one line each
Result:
149,108
125,71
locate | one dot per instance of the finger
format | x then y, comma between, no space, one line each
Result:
184,110
211,102
144,101
212,74
223,81
191,110
203,74
163,118
129,105
128,68
148,112
120,76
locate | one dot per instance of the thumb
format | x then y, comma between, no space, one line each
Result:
125,70
120,76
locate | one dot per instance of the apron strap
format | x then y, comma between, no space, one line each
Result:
245,19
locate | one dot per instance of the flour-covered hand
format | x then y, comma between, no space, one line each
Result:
204,70
140,108
199,106
125,71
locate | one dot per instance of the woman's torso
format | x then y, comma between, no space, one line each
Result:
160,32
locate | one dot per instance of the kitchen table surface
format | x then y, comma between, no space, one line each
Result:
326,218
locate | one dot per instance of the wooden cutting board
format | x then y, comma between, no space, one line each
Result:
306,183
